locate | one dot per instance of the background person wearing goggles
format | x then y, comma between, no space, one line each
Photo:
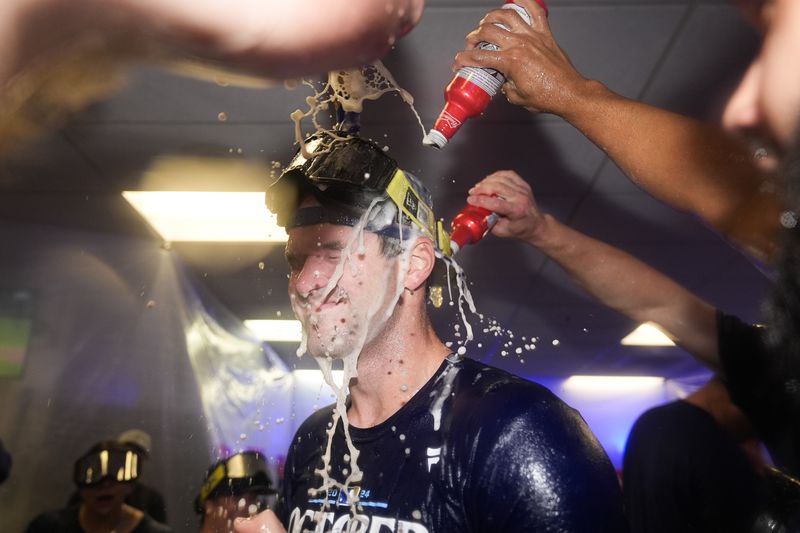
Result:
104,476
237,486
446,444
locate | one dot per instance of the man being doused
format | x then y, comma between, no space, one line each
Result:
236,486
440,443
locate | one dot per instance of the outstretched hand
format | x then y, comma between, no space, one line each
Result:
511,198
266,522
540,76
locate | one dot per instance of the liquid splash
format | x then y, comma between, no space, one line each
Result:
348,89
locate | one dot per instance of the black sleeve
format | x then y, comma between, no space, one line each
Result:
48,523
5,463
765,384
682,472
537,467
745,364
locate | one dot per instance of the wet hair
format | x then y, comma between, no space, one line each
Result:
783,307
390,246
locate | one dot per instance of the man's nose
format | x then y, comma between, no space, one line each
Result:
314,275
743,112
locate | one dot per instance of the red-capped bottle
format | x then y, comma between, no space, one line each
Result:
470,225
470,91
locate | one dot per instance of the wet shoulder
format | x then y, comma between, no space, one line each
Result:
483,387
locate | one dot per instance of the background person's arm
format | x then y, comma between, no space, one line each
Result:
689,164
614,277
269,38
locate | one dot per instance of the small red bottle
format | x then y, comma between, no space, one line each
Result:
470,225
469,92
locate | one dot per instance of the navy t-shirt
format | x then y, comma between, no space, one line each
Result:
476,449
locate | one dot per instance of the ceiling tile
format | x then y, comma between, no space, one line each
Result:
712,51
51,164
157,95
637,218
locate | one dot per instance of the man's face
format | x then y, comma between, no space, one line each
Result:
105,497
768,97
342,297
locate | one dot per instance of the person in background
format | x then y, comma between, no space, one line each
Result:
104,477
142,496
643,294
5,463
691,165
236,486
694,465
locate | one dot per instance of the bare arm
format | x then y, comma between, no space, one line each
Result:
691,165
617,279
270,38
264,522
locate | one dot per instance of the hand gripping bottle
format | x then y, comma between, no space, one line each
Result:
470,91
470,226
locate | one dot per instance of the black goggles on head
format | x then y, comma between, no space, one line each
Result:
238,474
345,175
115,464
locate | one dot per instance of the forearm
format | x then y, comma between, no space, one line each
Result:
631,287
276,38
269,38
691,165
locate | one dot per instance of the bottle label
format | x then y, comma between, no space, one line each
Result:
450,120
487,79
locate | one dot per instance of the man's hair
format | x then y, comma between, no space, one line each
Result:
390,246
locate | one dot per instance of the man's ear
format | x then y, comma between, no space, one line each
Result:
420,264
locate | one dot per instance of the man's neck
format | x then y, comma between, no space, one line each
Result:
393,368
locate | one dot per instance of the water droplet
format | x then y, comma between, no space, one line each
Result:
788,219
243,436
261,265
556,342
222,116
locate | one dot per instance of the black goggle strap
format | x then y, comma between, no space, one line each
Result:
412,206
122,466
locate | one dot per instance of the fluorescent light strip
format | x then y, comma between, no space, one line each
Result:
611,384
207,216
647,334
276,330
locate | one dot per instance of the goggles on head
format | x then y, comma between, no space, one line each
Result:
345,175
117,464
238,474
